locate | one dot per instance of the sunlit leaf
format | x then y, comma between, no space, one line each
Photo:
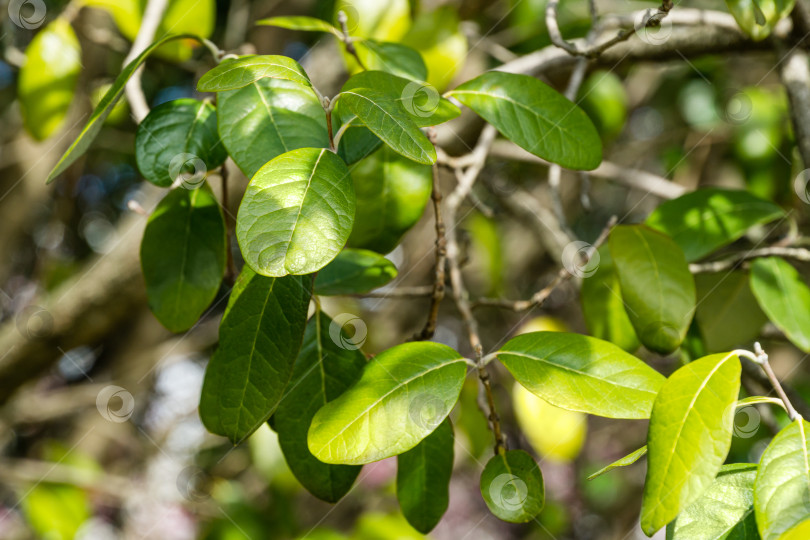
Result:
297,213
581,373
240,72
512,486
354,271
403,395
784,297
690,432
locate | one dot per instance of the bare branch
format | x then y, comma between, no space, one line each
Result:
152,16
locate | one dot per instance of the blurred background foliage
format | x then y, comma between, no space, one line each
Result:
706,121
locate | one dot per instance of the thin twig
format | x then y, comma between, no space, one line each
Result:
441,257
347,39
762,360
797,253
231,275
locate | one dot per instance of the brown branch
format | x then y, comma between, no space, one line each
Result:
797,253
441,257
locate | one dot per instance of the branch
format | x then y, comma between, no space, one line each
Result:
795,75
441,257
799,254
152,16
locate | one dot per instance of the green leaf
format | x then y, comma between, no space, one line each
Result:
306,24
403,395
725,511
394,58
183,256
384,116
322,372
423,478
535,117
297,213
439,38
354,271
707,219
581,373
173,137
799,532
56,510
512,486
757,400
105,106
47,82
689,437
267,118
782,487
657,287
240,72
392,192
259,339
629,459
357,142
758,18
784,297
727,312
603,307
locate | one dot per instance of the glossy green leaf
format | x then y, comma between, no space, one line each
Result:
512,486
392,192
103,109
657,287
297,213
306,24
423,478
385,116
535,117
784,297
323,370
725,511
581,373
758,18
403,395
357,142
178,137
603,307
707,219
689,437
799,532
47,82
629,459
259,339
727,312
267,118
240,72
782,487
757,400
394,58
183,256
354,271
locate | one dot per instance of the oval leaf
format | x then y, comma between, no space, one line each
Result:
512,486
423,478
105,106
354,271
782,487
403,395
297,213
324,369
239,72
629,459
535,117
173,137
725,511
385,116
727,312
47,82
710,218
392,193
581,373
183,256
690,434
267,118
784,297
603,306
657,287
306,24
259,339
